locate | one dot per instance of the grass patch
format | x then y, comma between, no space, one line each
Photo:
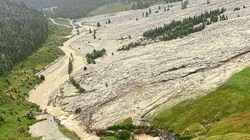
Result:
209,111
231,136
69,134
239,122
109,138
15,85
121,131
112,8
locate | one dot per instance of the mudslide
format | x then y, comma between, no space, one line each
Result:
40,96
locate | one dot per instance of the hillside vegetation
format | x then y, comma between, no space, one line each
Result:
179,29
15,85
22,31
222,113
83,8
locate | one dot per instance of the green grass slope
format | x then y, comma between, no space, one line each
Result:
111,8
231,136
15,85
120,5
225,110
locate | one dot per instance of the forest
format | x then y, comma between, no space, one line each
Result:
22,31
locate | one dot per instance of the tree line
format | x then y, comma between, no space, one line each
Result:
180,29
22,31
187,26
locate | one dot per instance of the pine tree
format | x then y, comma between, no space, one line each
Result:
98,24
149,11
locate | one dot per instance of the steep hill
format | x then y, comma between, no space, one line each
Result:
22,31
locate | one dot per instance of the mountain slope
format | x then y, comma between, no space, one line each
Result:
22,31
224,111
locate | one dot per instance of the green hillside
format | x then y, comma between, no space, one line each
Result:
22,31
224,112
15,85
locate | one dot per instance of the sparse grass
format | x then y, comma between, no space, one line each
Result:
68,134
211,111
111,8
15,85
119,6
109,138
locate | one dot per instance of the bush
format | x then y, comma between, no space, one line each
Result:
98,24
70,66
1,119
237,8
123,135
94,55
42,77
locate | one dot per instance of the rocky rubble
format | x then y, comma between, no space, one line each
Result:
138,82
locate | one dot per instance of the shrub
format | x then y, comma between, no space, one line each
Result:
76,85
42,77
237,8
70,66
98,24
123,135
94,55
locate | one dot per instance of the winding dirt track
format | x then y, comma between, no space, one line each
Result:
40,95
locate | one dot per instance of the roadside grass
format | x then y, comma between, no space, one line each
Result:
68,134
62,21
15,85
212,111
